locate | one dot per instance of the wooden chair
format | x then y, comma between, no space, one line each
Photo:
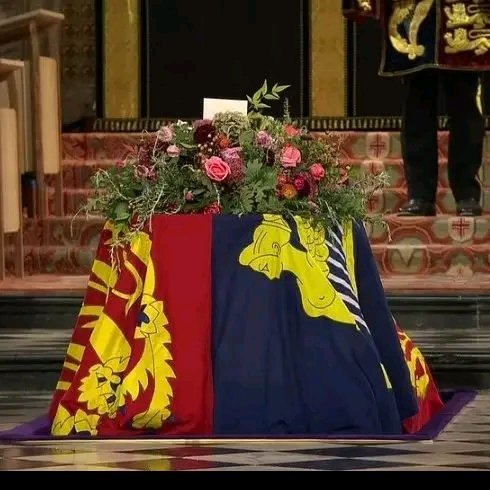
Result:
12,147
42,29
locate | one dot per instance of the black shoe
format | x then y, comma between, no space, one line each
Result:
468,207
418,207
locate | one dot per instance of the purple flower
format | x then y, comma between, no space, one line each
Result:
264,139
232,156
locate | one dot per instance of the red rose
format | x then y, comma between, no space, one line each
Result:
302,186
213,208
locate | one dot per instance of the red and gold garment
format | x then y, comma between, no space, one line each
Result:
418,34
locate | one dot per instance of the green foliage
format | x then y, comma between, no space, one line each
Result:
233,165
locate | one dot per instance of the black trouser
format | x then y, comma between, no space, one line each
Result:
419,135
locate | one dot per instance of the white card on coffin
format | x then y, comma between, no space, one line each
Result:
211,107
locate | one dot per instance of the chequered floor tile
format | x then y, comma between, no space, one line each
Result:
463,446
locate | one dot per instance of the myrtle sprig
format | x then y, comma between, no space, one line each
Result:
257,100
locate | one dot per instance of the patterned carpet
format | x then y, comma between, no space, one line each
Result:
464,446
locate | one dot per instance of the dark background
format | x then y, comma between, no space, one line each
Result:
226,48
222,49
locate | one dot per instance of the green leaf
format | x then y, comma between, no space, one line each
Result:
121,211
263,90
118,229
271,97
246,138
246,201
257,96
281,88
249,99
263,106
91,204
187,146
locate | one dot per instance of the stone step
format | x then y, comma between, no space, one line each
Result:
386,145
98,146
458,262
71,231
77,173
82,231
355,145
389,201
64,259
453,332
396,176
439,230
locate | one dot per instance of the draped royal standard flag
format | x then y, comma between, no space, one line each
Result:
140,357
219,325
428,399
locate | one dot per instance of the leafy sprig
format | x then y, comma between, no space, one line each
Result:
257,100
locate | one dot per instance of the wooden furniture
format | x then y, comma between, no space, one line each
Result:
41,30
12,141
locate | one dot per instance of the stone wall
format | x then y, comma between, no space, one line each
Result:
78,52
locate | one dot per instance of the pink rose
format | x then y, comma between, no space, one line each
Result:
173,151
165,134
264,139
291,156
217,169
189,196
317,171
291,131
120,163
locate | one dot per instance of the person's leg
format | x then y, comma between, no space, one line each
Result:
467,131
419,142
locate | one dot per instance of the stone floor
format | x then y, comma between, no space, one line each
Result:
463,446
